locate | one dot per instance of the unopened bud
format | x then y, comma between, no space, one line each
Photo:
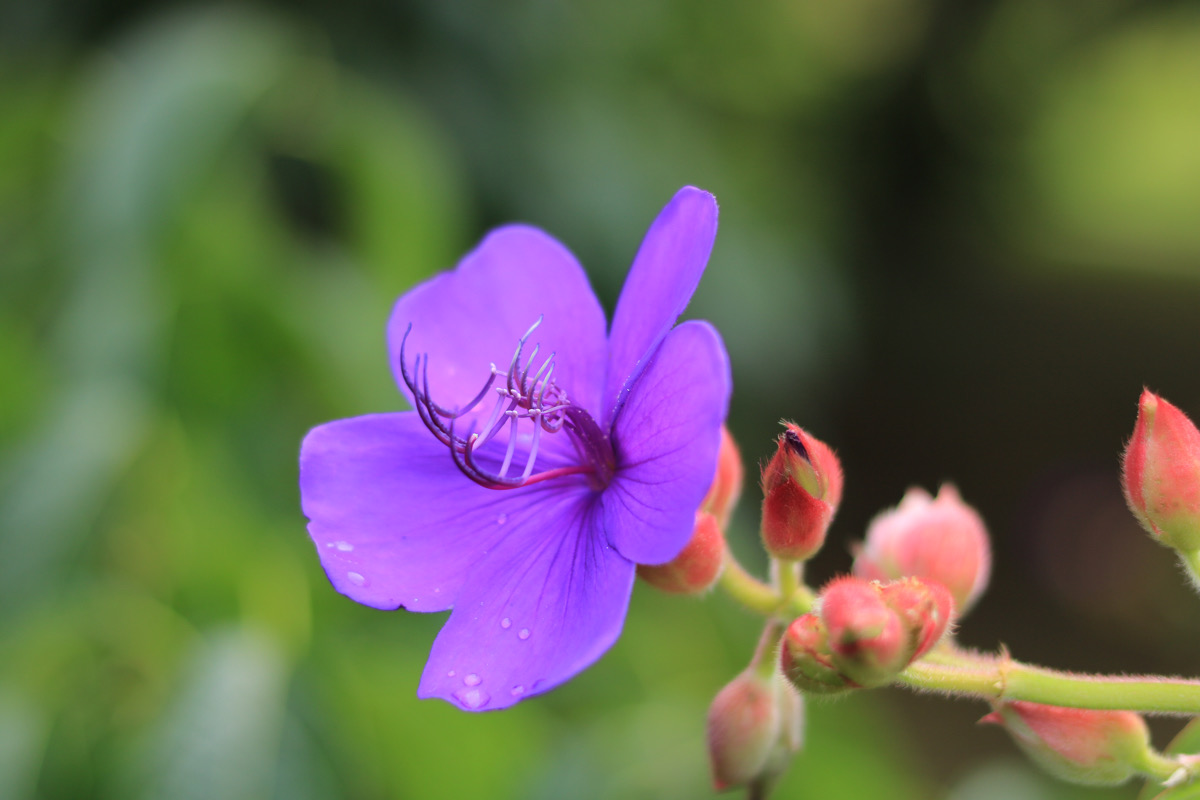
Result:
1161,474
868,640
726,487
697,566
1092,747
744,723
802,487
807,661
943,539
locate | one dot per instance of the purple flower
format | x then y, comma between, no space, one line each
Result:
544,459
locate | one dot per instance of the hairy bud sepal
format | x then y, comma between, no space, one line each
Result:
1085,746
807,661
802,487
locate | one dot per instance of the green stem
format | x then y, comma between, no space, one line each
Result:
1157,766
746,589
999,679
793,600
789,577
765,659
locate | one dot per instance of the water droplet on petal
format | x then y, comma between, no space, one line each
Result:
517,691
345,547
472,698
524,634
472,680
506,623
356,579
451,674
503,518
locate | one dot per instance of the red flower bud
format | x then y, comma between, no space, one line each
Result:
868,640
1161,474
802,486
726,487
943,539
1098,748
744,723
697,566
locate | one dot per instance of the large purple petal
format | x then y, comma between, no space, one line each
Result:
666,441
544,604
472,317
394,521
660,284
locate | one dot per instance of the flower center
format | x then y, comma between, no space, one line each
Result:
529,405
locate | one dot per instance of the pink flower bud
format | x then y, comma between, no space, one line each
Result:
806,659
697,566
942,539
868,640
1098,748
726,487
1161,473
925,608
802,486
744,724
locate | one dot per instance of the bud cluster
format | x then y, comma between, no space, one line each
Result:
864,634
921,565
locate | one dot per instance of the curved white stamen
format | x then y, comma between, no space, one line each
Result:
489,428
512,446
533,448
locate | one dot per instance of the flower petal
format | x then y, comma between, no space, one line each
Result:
393,520
472,317
660,284
666,442
544,604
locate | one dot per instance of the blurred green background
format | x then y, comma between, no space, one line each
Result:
956,240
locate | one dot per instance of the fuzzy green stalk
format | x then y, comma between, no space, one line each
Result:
997,679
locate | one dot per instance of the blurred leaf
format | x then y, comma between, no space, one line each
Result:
51,488
23,730
221,737
1112,152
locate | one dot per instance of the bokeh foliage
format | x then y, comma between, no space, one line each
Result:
955,240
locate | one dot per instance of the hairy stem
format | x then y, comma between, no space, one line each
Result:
991,678
746,589
792,599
